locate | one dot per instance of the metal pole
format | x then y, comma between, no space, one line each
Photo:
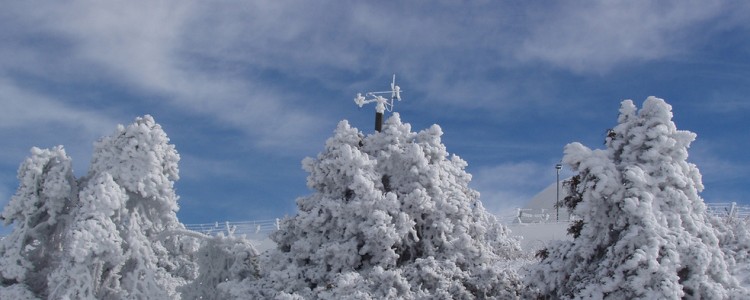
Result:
378,121
557,183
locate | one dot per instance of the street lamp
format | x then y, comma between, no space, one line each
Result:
558,166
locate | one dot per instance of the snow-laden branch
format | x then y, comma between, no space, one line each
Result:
182,232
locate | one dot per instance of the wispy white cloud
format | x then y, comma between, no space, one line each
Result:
714,167
33,118
143,46
595,37
433,49
24,108
134,41
232,62
30,119
727,103
205,168
215,58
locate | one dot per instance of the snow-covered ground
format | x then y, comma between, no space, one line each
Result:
533,236
536,236
261,242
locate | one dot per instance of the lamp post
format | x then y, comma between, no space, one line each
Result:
558,166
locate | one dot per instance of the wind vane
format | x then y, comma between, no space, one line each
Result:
383,104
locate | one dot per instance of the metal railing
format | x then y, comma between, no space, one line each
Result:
722,210
729,210
523,216
263,227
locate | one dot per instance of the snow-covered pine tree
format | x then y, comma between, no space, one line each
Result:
38,212
734,239
392,216
91,266
126,241
222,260
643,232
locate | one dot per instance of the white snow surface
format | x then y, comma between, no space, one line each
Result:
545,201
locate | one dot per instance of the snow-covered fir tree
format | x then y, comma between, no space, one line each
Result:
392,216
113,234
124,240
95,252
643,232
734,239
222,260
38,212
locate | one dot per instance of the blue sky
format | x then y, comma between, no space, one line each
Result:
247,89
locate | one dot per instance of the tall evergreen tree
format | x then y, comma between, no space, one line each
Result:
392,216
95,251
734,239
643,232
222,260
38,212
126,241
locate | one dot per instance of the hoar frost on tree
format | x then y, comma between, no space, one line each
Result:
38,212
125,241
222,260
643,232
112,234
392,216
734,238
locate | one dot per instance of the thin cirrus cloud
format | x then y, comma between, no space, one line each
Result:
22,107
269,78
28,119
314,42
166,47
210,168
142,47
595,37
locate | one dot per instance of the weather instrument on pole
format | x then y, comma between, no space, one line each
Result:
382,103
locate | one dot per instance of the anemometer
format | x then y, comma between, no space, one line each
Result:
383,104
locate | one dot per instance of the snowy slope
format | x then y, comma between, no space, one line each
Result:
546,200
533,236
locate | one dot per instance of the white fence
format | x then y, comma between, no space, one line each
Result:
523,216
729,210
263,227
722,210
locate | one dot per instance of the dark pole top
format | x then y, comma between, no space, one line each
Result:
381,103
378,121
